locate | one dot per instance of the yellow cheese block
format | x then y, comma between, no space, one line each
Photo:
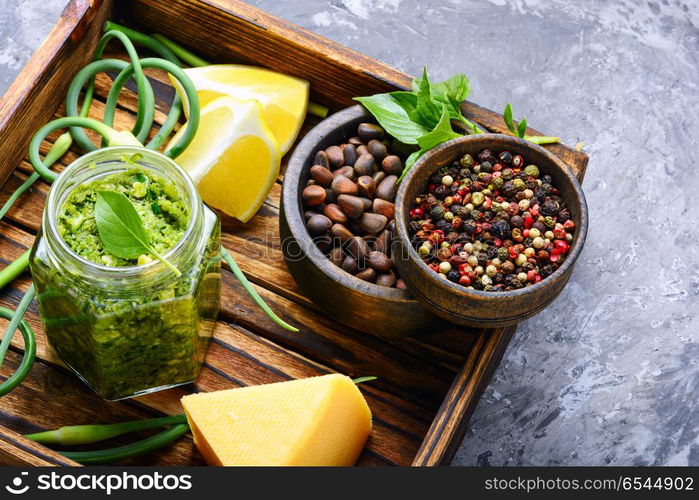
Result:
314,421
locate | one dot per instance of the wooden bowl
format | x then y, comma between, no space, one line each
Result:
475,307
365,306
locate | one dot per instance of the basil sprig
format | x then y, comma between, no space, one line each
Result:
422,116
121,229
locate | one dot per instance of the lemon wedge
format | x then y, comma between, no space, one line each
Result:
234,157
284,98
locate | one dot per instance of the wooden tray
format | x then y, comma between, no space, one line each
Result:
427,387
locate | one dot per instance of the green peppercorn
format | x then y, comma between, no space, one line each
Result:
437,212
448,216
531,170
519,184
425,249
502,253
444,267
477,198
497,183
549,222
466,161
491,270
447,180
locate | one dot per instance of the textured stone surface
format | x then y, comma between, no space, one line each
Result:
608,374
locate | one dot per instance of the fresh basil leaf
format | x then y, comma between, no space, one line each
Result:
451,92
507,117
442,132
407,101
119,226
121,229
427,109
457,87
393,117
522,127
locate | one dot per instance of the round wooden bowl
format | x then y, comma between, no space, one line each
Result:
475,307
365,306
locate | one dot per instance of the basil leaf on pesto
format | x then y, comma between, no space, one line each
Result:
121,229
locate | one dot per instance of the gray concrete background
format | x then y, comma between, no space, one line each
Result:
608,374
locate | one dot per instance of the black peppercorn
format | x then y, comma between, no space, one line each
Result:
486,155
505,157
486,167
453,275
441,192
443,225
414,226
469,226
508,189
549,208
546,270
517,221
540,226
501,229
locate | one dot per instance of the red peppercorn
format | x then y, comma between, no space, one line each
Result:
517,162
525,233
561,246
457,199
437,236
432,188
497,242
569,224
534,211
464,280
497,167
537,278
462,191
463,268
531,275
512,251
528,221
554,256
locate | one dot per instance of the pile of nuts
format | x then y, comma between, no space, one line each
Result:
349,205
491,223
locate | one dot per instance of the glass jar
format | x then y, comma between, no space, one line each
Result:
128,331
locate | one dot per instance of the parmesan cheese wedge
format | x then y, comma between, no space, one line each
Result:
318,421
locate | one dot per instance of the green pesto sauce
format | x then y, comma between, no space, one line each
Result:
159,203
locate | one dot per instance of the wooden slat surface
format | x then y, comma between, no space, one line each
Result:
427,386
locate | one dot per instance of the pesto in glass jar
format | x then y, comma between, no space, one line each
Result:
128,327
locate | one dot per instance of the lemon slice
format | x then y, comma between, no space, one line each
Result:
284,98
234,157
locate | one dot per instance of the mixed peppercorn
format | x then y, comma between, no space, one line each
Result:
491,223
